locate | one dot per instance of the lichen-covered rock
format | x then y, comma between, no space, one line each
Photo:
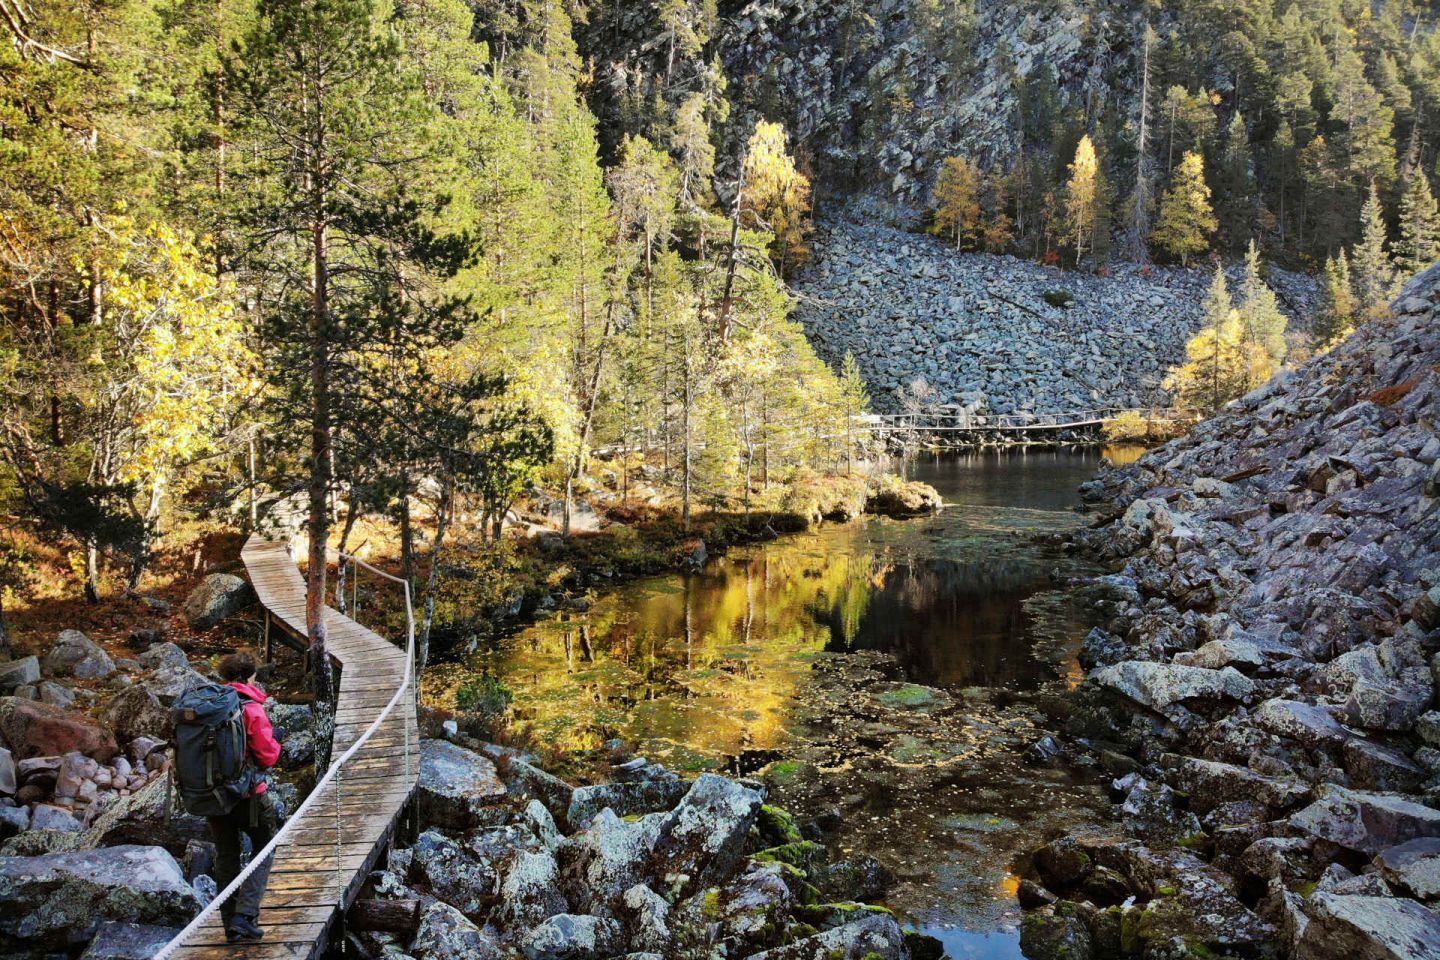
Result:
647,919
530,892
703,838
445,934
150,816
136,712
453,875
218,596
626,799
1366,822
872,937
455,785
1413,867
1055,936
572,937
1157,685
1061,862
610,856
19,673
1211,783
58,900
76,655
1307,723
1368,928
128,941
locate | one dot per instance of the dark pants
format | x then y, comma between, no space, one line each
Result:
257,819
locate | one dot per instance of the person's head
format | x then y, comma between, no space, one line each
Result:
237,668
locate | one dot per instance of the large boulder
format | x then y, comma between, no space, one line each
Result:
1157,685
874,937
60,899
703,838
531,893
218,596
1413,867
456,785
571,937
626,799
1307,723
608,857
19,673
76,655
1211,783
136,712
1368,928
1366,822
128,941
451,873
147,816
445,934
1057,935
38,730
9,782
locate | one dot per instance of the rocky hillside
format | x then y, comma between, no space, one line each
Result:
1271,661
981,332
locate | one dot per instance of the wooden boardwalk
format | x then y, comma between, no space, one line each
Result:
328,850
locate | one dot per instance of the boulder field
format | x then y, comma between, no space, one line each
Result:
1270,658
1000,335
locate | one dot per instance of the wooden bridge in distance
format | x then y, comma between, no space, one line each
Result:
337,835
958,425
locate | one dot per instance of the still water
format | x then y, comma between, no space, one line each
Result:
736,667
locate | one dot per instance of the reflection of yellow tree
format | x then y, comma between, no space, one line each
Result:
710,664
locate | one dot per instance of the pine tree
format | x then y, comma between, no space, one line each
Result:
957,202
1419,244
1186,220
1236,206
1370,263
1142,200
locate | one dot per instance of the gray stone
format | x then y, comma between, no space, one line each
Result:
1308,723
75,654
626,799
19,673
876,935
531,893
218,596
136,712
8,782
1157,685
47,816
455,785
608,857
1053,935
453,874
647,919
75,768
445,934
1366,822
1211,783
13,820
128,941
1374,766
56,694
703,838
1413,867
1368,928
60,899
571,937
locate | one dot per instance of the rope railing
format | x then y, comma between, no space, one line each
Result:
952,420
332,774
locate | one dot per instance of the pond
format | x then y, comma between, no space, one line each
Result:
888,677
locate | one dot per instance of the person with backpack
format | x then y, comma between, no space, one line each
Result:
223,740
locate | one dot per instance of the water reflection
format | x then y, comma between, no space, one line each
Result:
699,668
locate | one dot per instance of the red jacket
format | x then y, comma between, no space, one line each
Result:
259,734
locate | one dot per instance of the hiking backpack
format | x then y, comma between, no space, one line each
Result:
212,758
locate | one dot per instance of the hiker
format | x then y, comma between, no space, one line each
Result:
223,742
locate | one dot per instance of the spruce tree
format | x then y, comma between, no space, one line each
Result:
1186,220
1262,322
1370,263
1337,302
1236,206
1419,243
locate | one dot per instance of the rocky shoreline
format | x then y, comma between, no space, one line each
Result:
993,334
1270,662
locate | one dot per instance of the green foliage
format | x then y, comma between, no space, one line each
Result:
1059,297
484,695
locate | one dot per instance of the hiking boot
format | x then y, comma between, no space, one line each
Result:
243,930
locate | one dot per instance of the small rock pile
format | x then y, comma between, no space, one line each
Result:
518,863
1271,659
980,332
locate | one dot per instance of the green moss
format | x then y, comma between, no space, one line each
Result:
1166,892
1192,841
710,905
803,854
908,696
777,826
1305,888
785,771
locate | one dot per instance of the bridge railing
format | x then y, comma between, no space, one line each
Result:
953,420
314,803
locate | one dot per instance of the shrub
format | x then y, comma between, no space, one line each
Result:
1059,298
484,695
